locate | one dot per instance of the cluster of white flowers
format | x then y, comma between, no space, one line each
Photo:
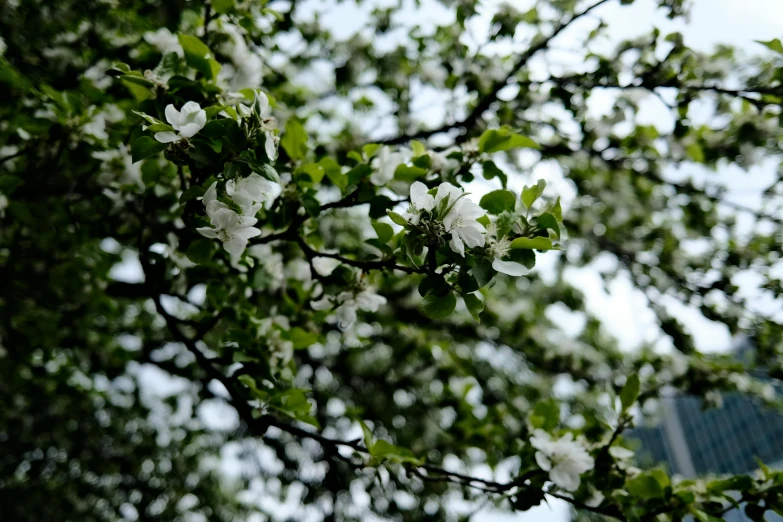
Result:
187,122
349,303
3,204
118,168
247,64
565,459
385,164
450,207
232,229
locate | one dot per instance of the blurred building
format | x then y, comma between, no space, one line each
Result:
692,441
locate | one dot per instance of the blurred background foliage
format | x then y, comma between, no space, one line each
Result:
106,416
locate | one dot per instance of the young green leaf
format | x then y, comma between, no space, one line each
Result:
536,243
498,201
145,147
294,140
438,307
630,391
474,304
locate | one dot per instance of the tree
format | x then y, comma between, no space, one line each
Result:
379,333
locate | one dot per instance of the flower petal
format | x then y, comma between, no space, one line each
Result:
325,265
325,303
246,232
456,245
167,137
210,195
208,232
420,196
471,235
173,116
543,461
189,108
190,129
509,267
235,246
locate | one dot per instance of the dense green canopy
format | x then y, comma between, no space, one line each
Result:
238,265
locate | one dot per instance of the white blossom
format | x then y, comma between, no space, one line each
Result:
3,204
565,458
421,201
348,304
97,75
324,266
232,229
460,218
247,65
164,41
188,122
500,248
440,162
119,167
384,165
251,192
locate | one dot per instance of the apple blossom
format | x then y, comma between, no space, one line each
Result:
232,229
189,121
565,458
384,165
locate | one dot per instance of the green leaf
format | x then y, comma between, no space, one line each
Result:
773,45
294,140
408,173
309,174
418,148
198,56
645,486
355,156
483,272
547,221
397,218
497,140
145,147
557,211
138,92
138,80
492,171
293,402
384,230
358,173
368,438
434,284
192,193
222,6
301,338
532,193
630,391
498,201
474,304
384,450
438,307
695,152
334,172
201,251
370,149
9,183
545,415
536,243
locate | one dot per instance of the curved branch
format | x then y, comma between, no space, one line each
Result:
486,102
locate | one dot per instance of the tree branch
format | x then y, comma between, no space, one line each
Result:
490,98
